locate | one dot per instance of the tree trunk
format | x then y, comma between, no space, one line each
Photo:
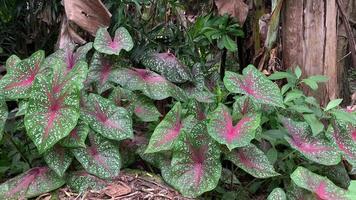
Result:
309,40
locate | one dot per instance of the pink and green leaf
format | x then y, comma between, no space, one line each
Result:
254,84
244,105
195,167
104,44
11,63
100,158
168,66
277,194
253,161
322,187
58,159
144,108
3,114
222,129
77,136
317,149
105,118
32,183
81,181
18,81
53,109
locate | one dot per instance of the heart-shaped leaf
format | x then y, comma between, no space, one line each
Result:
18,81
101,158
254,84
77,136
144,108
222,129
106,118
253,161
168,66
317,149
277,194
11,62
319,185
169,129
343,135
296,193
58,159
104,44
195,166
3,114
244,105
149,83
81,181
53,109
32,183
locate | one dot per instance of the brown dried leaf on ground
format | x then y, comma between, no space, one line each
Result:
88,14
235,8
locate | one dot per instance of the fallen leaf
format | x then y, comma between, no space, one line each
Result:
117,189
235,8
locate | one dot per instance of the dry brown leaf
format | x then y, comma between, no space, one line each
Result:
117,189
68,35
235,8
88,14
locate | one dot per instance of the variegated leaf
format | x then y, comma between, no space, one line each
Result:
144,108
101,158
222,129
253,161
254,84
104,44
18,81
3,114
58,159
195,166
168,66
277,194
319,185
106,118
77,136
81,181
32,183
244,105
11,62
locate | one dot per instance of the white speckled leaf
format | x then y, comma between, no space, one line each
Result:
195,166
100,158
254,84
243,105
253,161
149,83
58,159
77,136
105,118
144,108
3,114
222,129
168,66
169,129
81,181
32,183
277,194
343,135
11,62
18,81
319,185
317,149
53,109
104,44
122,98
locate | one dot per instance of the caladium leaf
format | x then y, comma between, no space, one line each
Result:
254,84
195,166
222,129
149,83
169,129
168,66
144,108
317,149
18,81
77,136
253,161
58,159
3,114
106,118
53,108
32,183
159,160
343,135
81,181
104,44
101,158
277,194
319,185
11,62
296,193
244,105
101,68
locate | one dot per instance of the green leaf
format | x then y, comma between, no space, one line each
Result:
351,191
3,115
254,84
292,95
77,136
280,75
105,118
58,159
277,194
319,185
104,44
81,181
229,44
298,72
11,63
332,104
195,166
319,78
101,158
315,124
253,161
311,83
301,108
344,116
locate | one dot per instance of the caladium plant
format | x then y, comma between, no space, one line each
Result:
104,44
